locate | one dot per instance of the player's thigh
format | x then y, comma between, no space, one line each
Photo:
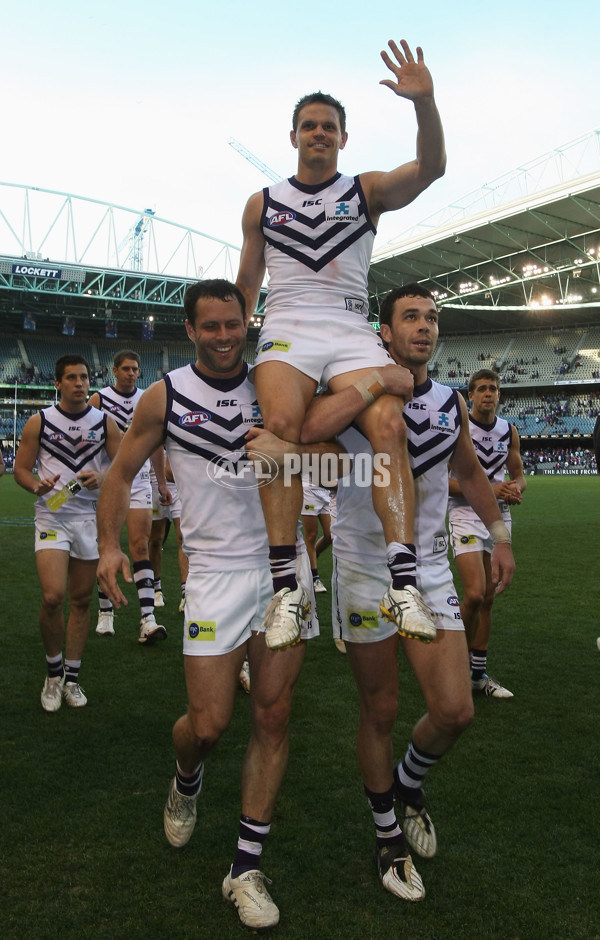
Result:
311,527
375,670
471,569
82,580
53,570
273,673
283,394
211,683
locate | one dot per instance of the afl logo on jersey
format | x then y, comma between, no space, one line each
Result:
280,218
191,419
56,437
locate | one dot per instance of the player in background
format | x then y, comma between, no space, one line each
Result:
120,401
315,510
314,233
205,410
164,516
498,450
72,444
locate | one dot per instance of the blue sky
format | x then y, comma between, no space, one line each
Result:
133,102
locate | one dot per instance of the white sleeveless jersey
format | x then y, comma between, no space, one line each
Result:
492,445
221,516
433,422
318,244
69,444
121,407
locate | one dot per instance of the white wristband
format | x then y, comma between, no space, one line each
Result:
499,532
370,387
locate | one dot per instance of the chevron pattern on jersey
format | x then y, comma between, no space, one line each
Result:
315,240
428,444
74,449
492,444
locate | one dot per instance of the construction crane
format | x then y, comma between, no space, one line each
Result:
135,239
249,156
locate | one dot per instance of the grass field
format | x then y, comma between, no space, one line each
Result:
516,803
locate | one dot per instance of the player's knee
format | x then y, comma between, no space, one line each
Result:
139,548
455,718
53,599
284,426
474,596
387,430
271,722
380,713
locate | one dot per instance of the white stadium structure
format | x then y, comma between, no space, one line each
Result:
515,268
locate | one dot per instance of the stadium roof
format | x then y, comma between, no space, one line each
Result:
520,263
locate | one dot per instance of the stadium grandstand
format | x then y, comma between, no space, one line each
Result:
514,266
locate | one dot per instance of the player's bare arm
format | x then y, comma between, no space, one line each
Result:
251,271
327,415
514,463
397,188
145,434
27,455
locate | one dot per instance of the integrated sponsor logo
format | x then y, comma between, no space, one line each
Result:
345,211
192,419
251,414
363,619
440,421
281,218
202,630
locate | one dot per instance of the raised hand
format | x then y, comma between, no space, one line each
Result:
413,79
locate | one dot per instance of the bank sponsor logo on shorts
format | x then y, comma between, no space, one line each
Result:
279,345
309,507
453,601
355,305
440,421
345,211
282,218
202,630
192,419
440,544
235,470
48,535
363,619
468,540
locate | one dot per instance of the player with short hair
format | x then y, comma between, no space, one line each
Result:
314,234
71,443
498,450
203,412
120,401
436,420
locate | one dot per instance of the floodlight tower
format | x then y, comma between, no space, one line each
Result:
135,239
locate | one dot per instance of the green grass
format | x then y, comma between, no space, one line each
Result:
516,803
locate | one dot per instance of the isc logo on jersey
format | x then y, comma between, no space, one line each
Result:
280,218
192,419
